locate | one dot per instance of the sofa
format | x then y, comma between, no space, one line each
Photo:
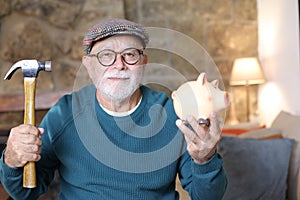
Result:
261,163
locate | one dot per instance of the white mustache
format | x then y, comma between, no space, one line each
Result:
121,74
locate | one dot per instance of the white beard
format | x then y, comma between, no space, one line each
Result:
121,90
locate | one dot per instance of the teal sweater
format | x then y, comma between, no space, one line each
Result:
99,156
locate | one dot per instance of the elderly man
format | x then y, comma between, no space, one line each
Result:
116,139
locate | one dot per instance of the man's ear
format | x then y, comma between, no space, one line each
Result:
145,59
84,60
86,63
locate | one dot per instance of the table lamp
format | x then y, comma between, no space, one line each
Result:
246,71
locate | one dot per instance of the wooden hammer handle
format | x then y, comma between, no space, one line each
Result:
29,173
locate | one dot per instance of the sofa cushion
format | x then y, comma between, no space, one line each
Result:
256,169
290,127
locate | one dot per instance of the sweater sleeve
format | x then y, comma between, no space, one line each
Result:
12,178
203,181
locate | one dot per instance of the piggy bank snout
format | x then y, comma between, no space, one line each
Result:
226,99
221,101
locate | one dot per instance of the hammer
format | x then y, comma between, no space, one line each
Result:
30,70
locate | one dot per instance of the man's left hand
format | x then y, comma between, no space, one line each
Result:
202,140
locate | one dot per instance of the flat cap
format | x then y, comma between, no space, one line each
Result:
111,27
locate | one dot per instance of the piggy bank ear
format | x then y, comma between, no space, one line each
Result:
173,95
201,80
215,83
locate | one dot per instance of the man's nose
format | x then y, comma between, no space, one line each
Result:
119,63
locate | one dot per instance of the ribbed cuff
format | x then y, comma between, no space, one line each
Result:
214,163
9,171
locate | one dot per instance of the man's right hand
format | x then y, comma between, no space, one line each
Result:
23,145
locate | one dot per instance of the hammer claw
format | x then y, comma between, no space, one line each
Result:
12,70
30,68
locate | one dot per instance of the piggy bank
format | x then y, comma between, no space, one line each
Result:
199,98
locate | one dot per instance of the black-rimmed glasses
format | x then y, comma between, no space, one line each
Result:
108,57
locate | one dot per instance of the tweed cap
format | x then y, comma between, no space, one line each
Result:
110,27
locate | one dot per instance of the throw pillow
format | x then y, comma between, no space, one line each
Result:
256,169
290,127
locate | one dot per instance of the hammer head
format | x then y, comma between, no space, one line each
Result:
30,68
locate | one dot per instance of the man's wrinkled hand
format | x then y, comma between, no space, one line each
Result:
201,140
23,145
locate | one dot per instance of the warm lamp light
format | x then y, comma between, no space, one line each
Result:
246,71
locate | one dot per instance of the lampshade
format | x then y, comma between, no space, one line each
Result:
246,71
